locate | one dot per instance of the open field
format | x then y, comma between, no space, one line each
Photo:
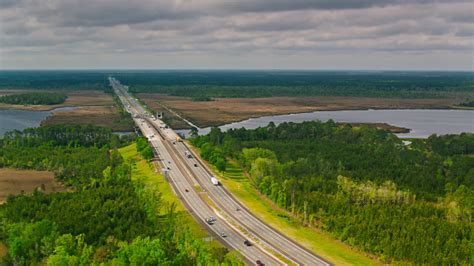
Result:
313,239
75,98
15,182
226,110
106,116
151,100
144,172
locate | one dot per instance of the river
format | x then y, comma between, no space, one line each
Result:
11,119
422,122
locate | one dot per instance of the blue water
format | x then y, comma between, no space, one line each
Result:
422,122
11,119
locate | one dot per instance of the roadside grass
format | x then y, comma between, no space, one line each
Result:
144,172
319,242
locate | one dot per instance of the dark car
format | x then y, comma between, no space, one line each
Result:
211,220
186,190
195,165
259,263
247,243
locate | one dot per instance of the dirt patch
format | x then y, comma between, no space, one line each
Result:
15,182
226,110
106,116
75,98
3,250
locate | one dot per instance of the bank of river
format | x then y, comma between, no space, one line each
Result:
422,122
11,119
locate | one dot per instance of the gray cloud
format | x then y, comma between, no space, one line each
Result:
223,30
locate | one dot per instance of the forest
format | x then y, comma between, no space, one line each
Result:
34,98
54,80
207,84
406,203
105,218
210,84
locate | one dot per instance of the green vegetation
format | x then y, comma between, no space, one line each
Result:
202,84
144,148
106,219
144,172
468,104
312,238
54,80
402,203
205,85
47,98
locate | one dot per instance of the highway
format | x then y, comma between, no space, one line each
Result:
186,174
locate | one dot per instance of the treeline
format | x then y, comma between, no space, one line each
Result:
47,98
406,203
468,104
106,218
144,148
54,80
210,84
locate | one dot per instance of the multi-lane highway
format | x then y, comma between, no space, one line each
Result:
234,223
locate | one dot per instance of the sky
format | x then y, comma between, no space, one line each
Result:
237,34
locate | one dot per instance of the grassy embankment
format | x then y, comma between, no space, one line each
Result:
313,239
144,171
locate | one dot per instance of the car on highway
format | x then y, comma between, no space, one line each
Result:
187,190
259,263
247,243
195,165
211,220
223,234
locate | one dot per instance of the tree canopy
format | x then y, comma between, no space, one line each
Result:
404,203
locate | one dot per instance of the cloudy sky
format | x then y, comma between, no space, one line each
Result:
270,34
